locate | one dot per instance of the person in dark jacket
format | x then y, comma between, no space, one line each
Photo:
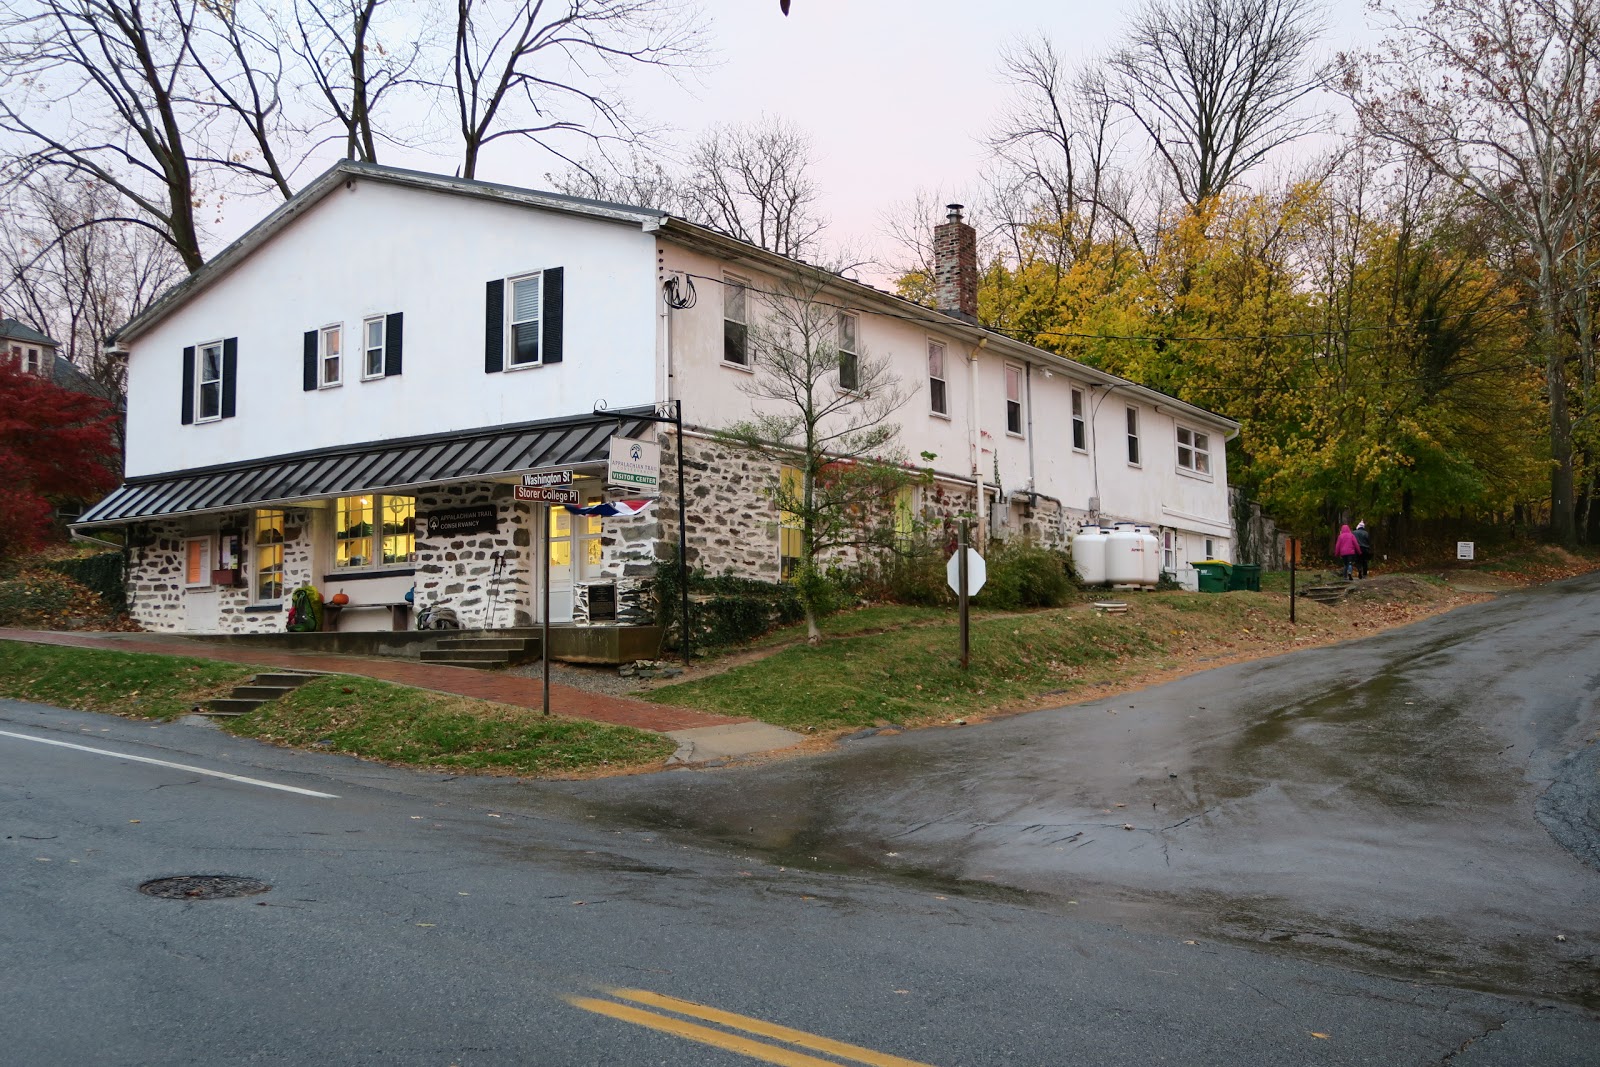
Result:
1364,542
1347,549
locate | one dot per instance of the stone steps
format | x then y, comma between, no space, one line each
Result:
1327,594
482,653
259,690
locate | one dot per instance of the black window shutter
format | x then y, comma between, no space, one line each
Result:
310,374
550,344
188,385
494,327
230,372
393,336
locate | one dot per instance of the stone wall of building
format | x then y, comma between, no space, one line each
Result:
482,577
733,522
159,600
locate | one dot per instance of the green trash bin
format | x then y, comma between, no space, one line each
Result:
1245,576
1213,575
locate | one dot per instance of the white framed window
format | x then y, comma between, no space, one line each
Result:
938,393
1211,550
1194,451
330,356
735,321
846,341
1133,436
374,531
523,312
372,339
1013,399
1169,551
791,530
197,562
266,556
34,364
1080,425
208,376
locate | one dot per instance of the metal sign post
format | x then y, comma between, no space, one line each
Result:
544,583
1294,558
966,633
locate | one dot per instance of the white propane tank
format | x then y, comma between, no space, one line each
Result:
1125,555
1089,555
1151,557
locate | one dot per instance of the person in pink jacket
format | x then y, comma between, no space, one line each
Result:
1347,548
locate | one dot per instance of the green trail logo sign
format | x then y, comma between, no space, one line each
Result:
634,465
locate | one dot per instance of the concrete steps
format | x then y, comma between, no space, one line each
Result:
257,691
1328,594
482,653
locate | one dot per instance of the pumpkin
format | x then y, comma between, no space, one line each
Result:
339,598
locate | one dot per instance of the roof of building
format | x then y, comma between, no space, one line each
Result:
374,466
651,219
12,330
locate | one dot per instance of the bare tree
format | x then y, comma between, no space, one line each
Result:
353,65
822,402
642,180
152,100
80,282
1217,84
754,182
537,69
1500,98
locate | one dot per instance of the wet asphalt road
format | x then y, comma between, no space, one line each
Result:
1422,803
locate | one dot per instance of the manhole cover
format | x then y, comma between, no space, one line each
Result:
203,887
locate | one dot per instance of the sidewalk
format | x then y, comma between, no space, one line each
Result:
463,681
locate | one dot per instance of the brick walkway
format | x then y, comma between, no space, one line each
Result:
484,685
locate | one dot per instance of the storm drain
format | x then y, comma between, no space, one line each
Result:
203,887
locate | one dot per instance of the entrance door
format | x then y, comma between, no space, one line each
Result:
575,553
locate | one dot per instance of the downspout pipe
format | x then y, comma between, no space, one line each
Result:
975,440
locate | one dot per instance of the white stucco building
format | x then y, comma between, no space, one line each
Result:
348,394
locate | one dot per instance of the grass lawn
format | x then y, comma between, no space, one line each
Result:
123,683
899,665
338,713
398,724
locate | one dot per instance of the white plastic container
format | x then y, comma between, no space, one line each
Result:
1125,555
1150,555
1089,554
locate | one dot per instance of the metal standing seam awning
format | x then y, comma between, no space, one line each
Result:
380,466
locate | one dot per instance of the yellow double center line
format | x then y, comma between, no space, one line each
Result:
733,1042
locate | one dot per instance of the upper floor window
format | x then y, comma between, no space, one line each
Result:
1080,428
1133,436
34,364
267,557
330,355
210,382
735,322
524,320
1013,399
16,355
938,396
1194,451
372,332
374,531
849,352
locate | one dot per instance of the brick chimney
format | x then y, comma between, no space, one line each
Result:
955,265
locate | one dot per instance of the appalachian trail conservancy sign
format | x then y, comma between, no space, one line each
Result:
456,521
634,465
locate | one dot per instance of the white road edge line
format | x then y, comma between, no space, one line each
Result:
174,766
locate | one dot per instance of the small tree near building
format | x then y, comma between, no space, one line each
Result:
55,446
822,403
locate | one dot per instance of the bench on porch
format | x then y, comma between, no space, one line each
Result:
399,613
